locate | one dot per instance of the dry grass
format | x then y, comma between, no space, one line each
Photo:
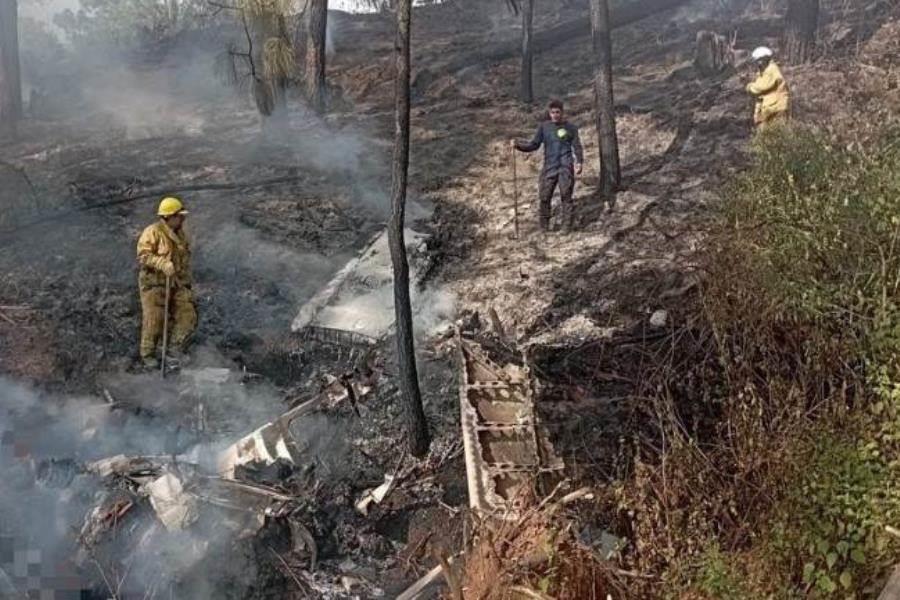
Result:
537,556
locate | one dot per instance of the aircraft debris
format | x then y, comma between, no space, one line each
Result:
507,451
175,508
267,444
376,495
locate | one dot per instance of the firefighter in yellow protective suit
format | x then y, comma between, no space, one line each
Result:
164,252
770,90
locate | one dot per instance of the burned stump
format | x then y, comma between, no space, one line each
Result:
713,53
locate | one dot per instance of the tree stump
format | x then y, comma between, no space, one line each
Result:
713,53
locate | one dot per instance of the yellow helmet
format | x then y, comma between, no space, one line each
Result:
170,205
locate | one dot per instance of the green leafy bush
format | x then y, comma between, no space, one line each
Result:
791,469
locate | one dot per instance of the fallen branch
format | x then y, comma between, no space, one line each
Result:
290,571
452,582
430,577
579,494
420,585
529,593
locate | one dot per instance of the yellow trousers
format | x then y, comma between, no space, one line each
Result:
769,120
182,318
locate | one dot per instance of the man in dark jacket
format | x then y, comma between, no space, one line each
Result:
563,157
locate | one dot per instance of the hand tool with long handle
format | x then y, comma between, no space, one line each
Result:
165,340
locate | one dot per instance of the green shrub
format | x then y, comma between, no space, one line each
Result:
792,471
820,227
816,232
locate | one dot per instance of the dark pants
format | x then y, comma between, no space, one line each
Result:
564,177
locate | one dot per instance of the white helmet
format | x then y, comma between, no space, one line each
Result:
762,52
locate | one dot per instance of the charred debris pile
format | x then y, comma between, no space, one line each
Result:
317,500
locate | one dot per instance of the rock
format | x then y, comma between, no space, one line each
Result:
659,318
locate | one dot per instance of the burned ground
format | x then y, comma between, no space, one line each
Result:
273,220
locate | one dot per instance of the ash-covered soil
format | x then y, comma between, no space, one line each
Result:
273,219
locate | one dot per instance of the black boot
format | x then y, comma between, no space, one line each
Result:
568,219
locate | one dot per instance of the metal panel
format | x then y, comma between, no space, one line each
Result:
507,451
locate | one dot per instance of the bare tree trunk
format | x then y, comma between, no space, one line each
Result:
527,93
173,13
417,426
544,41
270,83
10,77
800,25
316,28
610,172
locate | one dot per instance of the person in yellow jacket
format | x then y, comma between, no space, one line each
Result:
163,251
770,90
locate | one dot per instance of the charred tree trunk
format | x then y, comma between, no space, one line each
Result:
417,426
527,92
543,41
610,172
267,40
173,13
800,25
316,27
10,77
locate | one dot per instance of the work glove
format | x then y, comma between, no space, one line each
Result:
168,268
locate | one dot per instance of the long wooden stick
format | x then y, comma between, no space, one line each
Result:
515,195
165,340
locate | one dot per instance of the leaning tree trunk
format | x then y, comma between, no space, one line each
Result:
10,78
610,172
417,426
527,92
316,27
800,25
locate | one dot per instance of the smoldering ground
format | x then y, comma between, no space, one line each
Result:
48,441
114,124
121,120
